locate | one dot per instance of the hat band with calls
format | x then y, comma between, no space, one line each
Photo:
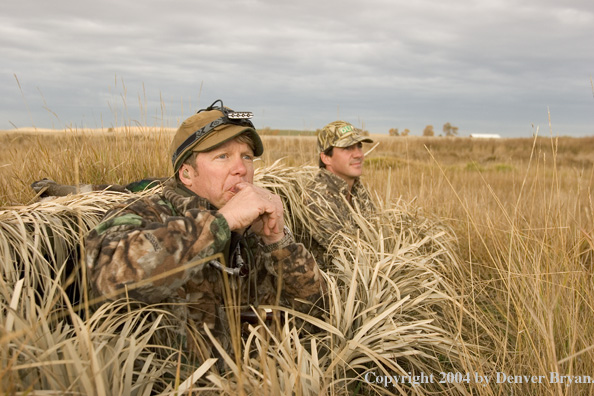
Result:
200,133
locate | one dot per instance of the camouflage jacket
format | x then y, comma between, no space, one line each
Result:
330,210
146,248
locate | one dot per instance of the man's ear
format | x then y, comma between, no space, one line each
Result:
325,158
184,173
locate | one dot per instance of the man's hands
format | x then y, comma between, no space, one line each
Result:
255,206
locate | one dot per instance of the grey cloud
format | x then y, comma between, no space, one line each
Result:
487,65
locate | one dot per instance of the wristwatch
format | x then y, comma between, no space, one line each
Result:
285,241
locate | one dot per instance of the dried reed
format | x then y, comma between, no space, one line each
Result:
393,309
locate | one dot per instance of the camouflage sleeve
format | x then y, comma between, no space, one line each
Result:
300,274
142,248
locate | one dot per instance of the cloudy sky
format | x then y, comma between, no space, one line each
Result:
486,66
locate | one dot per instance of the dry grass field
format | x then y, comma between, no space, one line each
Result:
515,279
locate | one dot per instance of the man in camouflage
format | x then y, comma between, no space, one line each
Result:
336,190
209,223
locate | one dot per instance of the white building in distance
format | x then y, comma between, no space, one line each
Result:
485,135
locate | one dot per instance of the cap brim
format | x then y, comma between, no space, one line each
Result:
215,139
349,141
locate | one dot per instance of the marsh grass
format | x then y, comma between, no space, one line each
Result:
493,272
394,300
391,306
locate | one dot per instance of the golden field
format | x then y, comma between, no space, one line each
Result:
520,210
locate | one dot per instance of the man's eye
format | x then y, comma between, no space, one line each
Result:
222,156
248,157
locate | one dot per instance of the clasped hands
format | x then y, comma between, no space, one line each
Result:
256,207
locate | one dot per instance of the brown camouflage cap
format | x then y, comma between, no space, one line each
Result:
340,134
206,130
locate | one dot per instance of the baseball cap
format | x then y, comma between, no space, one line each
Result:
210,128
340,134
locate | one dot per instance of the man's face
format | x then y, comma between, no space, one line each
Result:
218,172
346,163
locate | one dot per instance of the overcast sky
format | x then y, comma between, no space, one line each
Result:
486,66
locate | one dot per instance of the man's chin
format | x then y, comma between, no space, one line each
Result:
356,171
222,201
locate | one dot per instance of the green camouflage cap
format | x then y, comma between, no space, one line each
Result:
340,134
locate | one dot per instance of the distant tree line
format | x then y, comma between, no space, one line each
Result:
448,130
395,132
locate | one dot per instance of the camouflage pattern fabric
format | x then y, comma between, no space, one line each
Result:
331,212
340,134
146,248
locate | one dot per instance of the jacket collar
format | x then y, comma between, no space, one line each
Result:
183,199
339,184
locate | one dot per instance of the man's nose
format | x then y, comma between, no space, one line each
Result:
239,167
358,152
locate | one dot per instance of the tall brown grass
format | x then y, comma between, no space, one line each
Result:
521,211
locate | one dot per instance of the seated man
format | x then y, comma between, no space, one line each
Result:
145,248
336,190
